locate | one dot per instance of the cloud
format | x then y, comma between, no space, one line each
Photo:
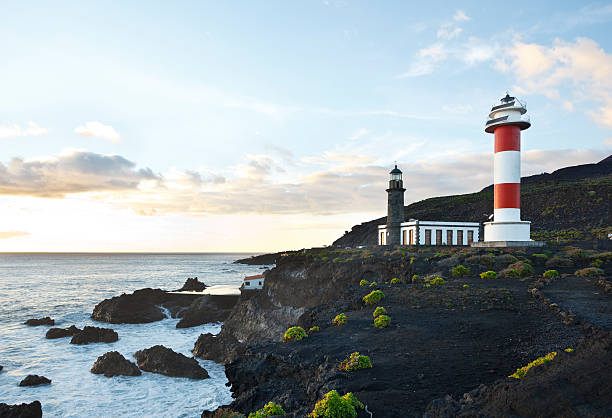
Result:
426,60
608,142
99,130
12,131
73,171
448,31
583,65
460,16
12,234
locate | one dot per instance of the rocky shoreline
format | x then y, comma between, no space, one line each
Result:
450,345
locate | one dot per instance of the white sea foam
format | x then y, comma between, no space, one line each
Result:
67,289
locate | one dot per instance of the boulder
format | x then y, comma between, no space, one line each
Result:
1,367
54,333
40,321
162,360
34,380
114,364
208,308
222,348
192,284
94,335
140,307
24,410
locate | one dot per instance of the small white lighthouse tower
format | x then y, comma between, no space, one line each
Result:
506,121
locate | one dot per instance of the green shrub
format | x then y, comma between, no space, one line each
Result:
518,269
460,271
520,373
364,283
373,297
589,272
356,362
337,259
540,258
335,406
426,285
488,275
597,263
559,262
415,277
437,280
373,284
313,329
340,319
395,280
550,273
379,311
269,410
576,254
294,334
325,258
381,321
506,259
412,260
465,286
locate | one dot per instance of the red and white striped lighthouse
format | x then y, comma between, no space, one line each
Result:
506,121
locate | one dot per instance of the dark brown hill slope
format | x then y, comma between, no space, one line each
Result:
572,203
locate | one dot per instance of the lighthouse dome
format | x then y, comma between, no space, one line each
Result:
396,173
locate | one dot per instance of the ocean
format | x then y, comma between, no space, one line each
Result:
66,287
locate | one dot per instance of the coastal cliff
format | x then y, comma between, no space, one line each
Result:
445,338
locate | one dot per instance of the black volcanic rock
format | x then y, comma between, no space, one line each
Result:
208,308
41,321
222,348
114,364
54,333
162,360
94,335
1,367
260,260
192,284
24,410
140,307
34,380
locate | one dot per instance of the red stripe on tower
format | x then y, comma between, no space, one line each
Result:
507,138
507,195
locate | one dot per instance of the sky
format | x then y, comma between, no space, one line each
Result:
270,125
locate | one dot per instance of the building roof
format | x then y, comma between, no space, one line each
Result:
395,170
258,276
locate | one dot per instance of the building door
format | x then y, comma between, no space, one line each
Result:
449,237
411,234
382,238
470,237
438,237
460,237
428,237
404,237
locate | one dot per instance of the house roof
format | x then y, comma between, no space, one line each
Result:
259,276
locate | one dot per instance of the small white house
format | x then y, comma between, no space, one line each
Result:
415,232
254,282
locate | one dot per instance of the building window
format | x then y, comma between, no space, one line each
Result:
438,237
411,234
449,237
428,237
382,238
470,237
247,283
404,235
460,237
260,283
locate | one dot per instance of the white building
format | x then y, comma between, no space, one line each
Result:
254,282
415,232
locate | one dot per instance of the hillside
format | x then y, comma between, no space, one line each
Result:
572,203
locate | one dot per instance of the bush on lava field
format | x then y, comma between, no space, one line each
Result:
364,283
294,334
437,280
589,272
395,280
520,373
335,406
518,269
373,284
269,410
550,274
488,275
559,262
373,297
356,362
313,329
340,319
381,321
379,311
539,257
461,271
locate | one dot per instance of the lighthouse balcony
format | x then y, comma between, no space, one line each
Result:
511,118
